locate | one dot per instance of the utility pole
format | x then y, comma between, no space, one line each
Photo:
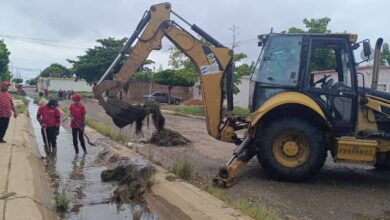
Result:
235,32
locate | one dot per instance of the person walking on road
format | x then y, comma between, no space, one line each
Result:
77,114
6,106
49,117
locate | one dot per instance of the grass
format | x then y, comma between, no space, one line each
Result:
86,94
255,211
243,112
16,96
65,110
21,107
106,130
62,201
183,169
197,110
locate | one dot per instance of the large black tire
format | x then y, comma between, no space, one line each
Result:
177,102
309,148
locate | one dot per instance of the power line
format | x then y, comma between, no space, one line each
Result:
46,42
42,39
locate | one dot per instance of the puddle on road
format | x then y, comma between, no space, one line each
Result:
80,177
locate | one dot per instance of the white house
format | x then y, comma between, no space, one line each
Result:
383,76
55,84
241,99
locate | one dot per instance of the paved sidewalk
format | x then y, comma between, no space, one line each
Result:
23,183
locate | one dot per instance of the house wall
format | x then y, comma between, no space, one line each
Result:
137,89
55,84
241,99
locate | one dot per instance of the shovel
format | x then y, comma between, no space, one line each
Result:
47,144
82,130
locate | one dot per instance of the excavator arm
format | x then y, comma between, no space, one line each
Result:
212,59
214,63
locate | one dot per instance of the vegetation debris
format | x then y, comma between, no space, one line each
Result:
62,201
133,174
134,181
167,137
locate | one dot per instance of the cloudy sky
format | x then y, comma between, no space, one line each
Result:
41,32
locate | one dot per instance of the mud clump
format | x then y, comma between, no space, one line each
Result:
163,136
167,137
134,181
124,114
133,174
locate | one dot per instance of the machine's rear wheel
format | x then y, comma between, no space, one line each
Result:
291,149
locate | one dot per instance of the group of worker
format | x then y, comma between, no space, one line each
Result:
49,117
63,94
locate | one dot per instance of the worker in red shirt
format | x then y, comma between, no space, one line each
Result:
6,106
49,117
77,113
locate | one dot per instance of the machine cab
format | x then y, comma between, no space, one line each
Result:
321,66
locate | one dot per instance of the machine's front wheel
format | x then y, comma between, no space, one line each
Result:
291,149
383,161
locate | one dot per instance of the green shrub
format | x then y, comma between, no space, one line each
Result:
62,201
183,169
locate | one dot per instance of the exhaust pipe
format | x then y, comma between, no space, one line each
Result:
375,71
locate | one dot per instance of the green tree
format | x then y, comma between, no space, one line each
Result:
173,78
144,73
4,61
385,55
96,61
92,65
56,70
179,61
32,81
17,80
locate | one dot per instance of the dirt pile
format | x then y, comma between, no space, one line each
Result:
134,175
167,137
123,114
163,136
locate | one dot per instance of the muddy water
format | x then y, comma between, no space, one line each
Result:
79,176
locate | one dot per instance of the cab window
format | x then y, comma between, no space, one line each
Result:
279,64
329,65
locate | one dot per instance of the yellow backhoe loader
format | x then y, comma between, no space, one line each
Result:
306,99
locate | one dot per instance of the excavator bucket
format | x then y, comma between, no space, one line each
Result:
123,113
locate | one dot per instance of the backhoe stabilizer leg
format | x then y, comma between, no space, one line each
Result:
242,155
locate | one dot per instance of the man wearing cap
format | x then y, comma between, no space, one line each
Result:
49,116
77,113
6,106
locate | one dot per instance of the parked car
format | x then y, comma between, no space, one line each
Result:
162,97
